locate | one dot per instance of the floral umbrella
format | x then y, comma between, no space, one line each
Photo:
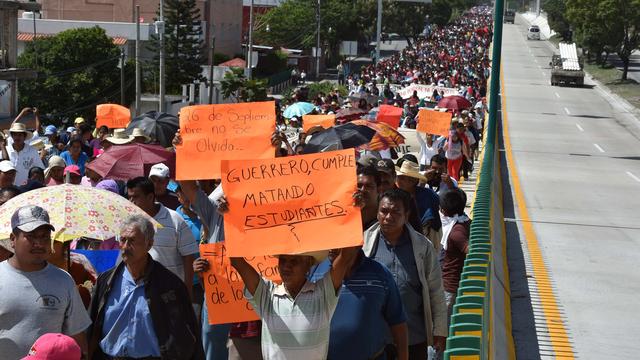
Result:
75,211
386,136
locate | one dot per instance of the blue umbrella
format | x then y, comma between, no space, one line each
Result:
298,109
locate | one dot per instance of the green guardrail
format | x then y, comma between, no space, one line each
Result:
469,333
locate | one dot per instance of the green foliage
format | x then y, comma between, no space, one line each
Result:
325,87
236,85
555,10
219,58
77,70
606,26
405,19
184,49
441,12
271,63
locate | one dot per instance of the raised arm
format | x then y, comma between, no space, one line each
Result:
249,275
24,112
400,334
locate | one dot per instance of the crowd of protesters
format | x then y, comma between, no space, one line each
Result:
390,298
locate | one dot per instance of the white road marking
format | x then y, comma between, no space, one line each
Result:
598,147
633,176
567,111
544,73
557,95
579,127
536,60
539,67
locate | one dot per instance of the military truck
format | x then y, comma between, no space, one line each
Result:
567,67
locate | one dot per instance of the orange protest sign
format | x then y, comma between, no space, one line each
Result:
224,288
211,133
390,115
291,205
113,116
434,122
324,121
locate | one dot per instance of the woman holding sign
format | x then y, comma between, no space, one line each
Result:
285,333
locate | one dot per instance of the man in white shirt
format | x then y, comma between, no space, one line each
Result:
22,155
173,244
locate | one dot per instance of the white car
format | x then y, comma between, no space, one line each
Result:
533,33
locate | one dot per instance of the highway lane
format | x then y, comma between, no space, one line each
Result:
577,154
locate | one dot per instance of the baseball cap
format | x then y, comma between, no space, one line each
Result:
6,166
50,130
73,169
386,166
159,170
54,347
78,120
29,218
71,129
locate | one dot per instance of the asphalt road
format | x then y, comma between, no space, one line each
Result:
577,153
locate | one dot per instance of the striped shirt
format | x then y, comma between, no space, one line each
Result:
172,241
295,328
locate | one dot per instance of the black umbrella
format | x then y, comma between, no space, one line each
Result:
160,127
339,137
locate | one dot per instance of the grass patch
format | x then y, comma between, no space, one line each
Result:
610,77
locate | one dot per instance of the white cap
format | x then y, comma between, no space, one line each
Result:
160,170
6,165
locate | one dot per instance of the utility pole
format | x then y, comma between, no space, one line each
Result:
138,81
213,51
378,31
122,101
250,47
318,42
537,7
160,30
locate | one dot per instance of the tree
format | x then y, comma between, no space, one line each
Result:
236,85
624,18
607,25
77,70
592,32
184,48
555,10
405,19
440,12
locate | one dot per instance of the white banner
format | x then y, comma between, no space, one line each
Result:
425,91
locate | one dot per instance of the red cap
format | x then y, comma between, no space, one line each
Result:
74,169
54,347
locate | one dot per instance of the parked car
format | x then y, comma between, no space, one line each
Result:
533,33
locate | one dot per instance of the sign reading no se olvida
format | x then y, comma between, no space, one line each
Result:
212,133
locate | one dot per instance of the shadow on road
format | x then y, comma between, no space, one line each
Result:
523,323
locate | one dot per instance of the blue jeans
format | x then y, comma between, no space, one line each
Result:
214,338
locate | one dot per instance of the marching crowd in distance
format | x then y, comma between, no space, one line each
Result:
390,298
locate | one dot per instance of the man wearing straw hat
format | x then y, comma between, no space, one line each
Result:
119,137
427,201
22,155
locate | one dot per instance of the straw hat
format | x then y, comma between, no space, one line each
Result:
318,256
120,137
137,132
411,169
20,128
38,144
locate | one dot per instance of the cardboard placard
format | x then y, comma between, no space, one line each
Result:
324,121
291,205
224,288
113,116
212,133
434,122
390,115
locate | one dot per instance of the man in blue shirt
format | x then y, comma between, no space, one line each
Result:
139,308
369,306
